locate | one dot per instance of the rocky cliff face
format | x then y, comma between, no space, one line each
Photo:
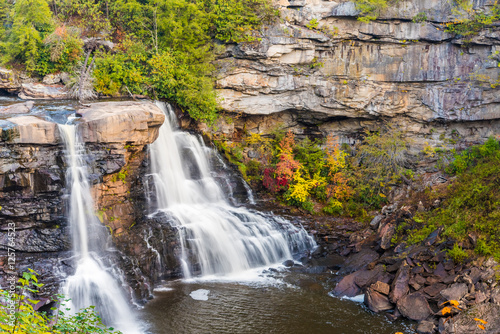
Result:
322,71
32,188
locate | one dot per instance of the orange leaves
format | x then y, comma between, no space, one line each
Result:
481,323
446,310
287,165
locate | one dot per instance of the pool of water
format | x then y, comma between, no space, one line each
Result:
297,304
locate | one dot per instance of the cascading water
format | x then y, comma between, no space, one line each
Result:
91,284
215,237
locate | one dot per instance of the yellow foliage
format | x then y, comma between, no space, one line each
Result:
299,189
482,327
335,157
481,321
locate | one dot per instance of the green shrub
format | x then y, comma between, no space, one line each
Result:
457,254
24,318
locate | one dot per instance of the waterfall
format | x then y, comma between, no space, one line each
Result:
215,237
92,283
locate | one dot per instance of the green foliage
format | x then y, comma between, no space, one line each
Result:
470,156
457,254
31,22
163,48
420,17
470,21
472,203
18,316
371,9
313,24
380,162
236,20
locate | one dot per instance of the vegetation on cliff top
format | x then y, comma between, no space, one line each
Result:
163,48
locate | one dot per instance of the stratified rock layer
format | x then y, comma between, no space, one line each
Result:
322,71
32,187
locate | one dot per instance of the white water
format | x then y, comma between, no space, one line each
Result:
92,283
215,238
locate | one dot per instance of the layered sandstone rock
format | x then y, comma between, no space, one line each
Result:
32,182
343,76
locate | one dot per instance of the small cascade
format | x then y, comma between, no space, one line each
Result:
93,282
215,237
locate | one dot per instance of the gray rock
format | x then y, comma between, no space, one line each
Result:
414,306
455,292
37,91
376,221
51,79
9,80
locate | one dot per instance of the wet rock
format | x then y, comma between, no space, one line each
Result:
37,91
414,306
455,292
426,327
400,286
18,108
347,287
288,263
377,301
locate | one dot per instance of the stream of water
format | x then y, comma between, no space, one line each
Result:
92,283
216,238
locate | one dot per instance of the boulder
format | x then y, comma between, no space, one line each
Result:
455,292
17,108
37,91
33,130
400,284
9,81
121,122
435,289
414,306
376,221
347,287
381,287
376,301
52,79
386,233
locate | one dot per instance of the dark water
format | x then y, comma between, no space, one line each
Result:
261,308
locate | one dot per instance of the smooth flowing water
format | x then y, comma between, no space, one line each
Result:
93,282
216,238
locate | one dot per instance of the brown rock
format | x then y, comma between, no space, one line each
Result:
414,306
347,287
435,289
386,233
381,287
376,301
400,286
